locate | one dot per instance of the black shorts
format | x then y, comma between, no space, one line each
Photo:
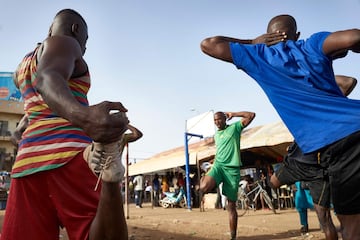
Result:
338,166
344,174
314,175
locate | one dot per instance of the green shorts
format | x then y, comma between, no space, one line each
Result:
230,177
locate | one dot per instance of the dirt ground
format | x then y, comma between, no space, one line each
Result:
182,224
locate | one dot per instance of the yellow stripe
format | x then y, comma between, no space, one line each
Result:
77,85
38,108
46,122
44,158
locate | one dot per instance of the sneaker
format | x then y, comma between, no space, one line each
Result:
104,160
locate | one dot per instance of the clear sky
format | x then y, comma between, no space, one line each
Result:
146,54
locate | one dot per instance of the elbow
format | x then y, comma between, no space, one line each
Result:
138,135
253,115
208,44
354,40
204,45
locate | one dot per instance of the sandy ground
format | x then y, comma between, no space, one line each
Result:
182,224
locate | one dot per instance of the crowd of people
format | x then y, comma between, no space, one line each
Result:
142,186
65,139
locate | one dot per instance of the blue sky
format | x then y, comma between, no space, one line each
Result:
146,54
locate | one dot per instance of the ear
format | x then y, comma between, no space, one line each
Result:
74,28
50,30
297,35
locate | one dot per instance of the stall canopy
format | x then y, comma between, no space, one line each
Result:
170,159
268,141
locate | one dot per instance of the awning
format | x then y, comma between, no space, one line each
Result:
268,141
170,159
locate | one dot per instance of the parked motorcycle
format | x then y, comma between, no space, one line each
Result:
173,199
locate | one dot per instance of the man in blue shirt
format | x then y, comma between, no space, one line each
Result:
298,78
297,166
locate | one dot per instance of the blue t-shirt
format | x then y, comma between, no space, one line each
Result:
299,81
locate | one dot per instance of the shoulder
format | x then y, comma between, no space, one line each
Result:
240,53
315,41
238,125
319,36
61,45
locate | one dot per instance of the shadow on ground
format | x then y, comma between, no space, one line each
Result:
136,233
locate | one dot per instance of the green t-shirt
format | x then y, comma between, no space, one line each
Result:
227,143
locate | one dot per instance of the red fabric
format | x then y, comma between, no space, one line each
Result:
39,203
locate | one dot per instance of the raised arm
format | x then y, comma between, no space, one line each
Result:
338,43
134,135
247,117
218,46
56,64
61,58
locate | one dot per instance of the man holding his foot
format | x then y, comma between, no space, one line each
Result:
54,176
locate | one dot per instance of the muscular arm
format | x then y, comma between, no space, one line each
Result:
62,57
338,43
55,67
218,47
247,117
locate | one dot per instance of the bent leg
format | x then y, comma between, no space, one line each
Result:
275,182
326,222
207,183
109,222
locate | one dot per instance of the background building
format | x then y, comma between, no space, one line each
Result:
10,114
11,111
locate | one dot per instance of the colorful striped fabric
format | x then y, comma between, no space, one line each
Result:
49,141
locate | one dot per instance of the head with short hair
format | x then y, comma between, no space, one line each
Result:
70,23
220,120
284,23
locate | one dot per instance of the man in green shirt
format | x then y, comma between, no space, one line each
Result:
226,167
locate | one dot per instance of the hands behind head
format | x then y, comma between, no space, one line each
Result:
107,121
270,38
228,116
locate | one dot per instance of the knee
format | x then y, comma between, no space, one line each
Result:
232,208
324,215
202,185
206,184
274,182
